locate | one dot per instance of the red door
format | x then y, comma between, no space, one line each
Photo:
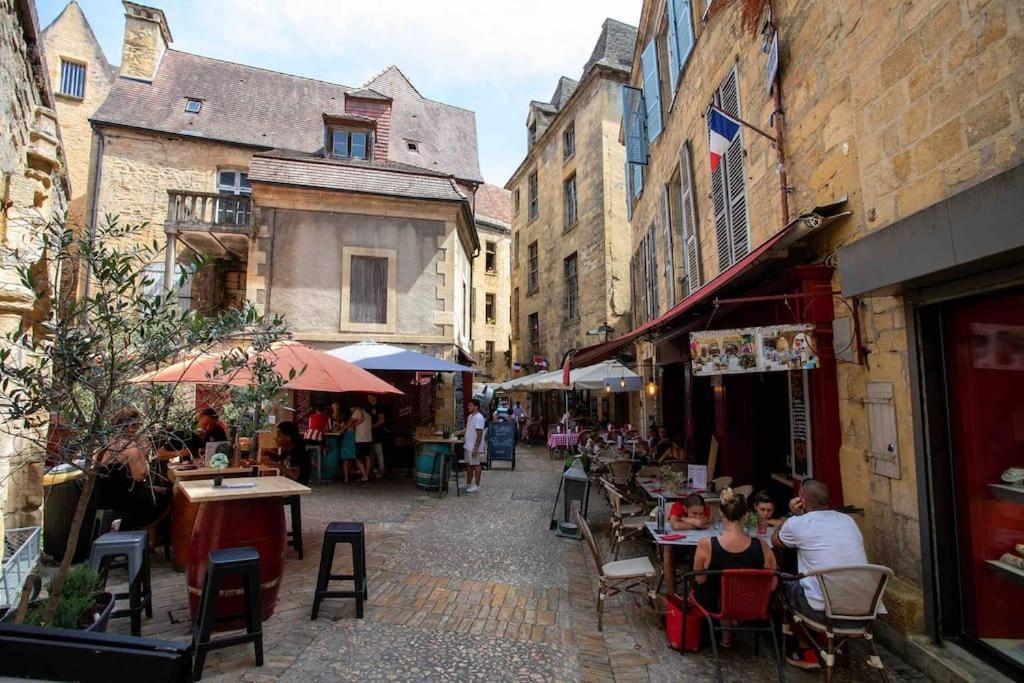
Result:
985,363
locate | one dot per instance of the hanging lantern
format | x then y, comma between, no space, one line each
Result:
652,388
607,387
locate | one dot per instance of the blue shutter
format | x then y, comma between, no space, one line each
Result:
673,48
629,192
634,125
684,30
652,90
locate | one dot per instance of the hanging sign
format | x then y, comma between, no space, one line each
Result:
753,349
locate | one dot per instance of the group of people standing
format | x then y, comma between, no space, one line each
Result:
365,432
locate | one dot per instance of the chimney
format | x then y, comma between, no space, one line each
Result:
146,37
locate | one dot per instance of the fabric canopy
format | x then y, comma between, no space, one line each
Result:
315,371
593,377
371,355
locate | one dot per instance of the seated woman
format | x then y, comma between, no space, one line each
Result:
689,514
734,549
291,455
127,485
669,449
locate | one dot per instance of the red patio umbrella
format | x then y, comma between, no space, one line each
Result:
323,372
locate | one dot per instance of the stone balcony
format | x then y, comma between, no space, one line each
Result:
213,224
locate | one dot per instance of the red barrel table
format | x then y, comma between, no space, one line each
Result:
247,511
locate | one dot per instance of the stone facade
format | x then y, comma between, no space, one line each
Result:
70,38
894,106
599,238
34,188
498,284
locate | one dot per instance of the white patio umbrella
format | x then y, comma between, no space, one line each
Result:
370,355
610,373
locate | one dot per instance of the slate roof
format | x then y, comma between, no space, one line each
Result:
378,178
252,106
563,91
614,48
494,203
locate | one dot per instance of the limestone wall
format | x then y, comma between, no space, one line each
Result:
498,283
32,176
599,238
70,38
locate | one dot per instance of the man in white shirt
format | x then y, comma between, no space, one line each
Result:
474,445
822,538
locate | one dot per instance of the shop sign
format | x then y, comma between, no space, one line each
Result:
753,349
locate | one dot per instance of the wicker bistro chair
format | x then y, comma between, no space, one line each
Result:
649,471
624,526
746,597
619,472
852,596
720,483
619,576
747,490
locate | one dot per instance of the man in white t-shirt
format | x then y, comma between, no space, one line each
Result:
474,445
822,538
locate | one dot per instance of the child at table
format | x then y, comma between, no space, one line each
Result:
688,514
764,505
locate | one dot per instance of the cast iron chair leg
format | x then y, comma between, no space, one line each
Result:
875,657
254,616
600,605
714,649
207,612
778,654
829,659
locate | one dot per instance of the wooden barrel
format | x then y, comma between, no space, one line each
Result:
183,518
255,522
429,461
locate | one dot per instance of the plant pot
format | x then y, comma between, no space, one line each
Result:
218,481
104,607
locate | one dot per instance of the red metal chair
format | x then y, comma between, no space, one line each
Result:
746,595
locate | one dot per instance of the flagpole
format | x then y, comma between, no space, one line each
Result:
745,123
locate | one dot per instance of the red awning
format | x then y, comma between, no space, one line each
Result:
796,230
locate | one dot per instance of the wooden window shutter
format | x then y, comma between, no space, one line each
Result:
629,193
368,284
652,89
652,269
634,122
691,240
670,285
673,47
739,225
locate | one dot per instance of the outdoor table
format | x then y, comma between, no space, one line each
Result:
233,518
655,487
453,444
562,440
691,537
183,512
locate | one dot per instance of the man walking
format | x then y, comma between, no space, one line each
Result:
474,445
380,429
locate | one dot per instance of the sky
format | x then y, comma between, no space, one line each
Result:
487,56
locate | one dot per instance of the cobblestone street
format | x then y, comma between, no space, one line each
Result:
461,588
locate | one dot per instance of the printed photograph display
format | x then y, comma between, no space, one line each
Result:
753,349
788,347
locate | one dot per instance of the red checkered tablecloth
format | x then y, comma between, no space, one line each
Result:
561,440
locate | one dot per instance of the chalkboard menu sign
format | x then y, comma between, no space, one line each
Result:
799,424
501,441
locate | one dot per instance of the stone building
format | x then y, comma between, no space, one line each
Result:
349,210
34,188
492,293
81,78
891,230
570,241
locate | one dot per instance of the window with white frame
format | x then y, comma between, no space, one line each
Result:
350,144
235,209
368,289
491,257
72,78
728,185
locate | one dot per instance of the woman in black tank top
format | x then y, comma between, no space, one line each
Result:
734,549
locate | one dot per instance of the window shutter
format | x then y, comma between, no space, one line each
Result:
684,29
629,192
735,176
634,318
369,290
673,47
688,222
652,91
722,235
670,286
652,269
634,124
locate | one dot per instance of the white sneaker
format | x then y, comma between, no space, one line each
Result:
472,488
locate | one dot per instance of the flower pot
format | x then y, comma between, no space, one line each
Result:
101,615
218,481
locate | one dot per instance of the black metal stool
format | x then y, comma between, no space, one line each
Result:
295,535
224,563
133,546
353,534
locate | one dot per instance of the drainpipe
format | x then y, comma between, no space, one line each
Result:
95,199
778,117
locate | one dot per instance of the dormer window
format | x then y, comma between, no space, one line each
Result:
192,105
350,144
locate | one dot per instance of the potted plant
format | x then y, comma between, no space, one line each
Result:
584,459
81,604
219,461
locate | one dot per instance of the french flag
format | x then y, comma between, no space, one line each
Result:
722,130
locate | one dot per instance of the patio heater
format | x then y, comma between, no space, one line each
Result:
574,492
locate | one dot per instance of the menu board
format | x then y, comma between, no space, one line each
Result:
799,425
698,476
501,441
753,349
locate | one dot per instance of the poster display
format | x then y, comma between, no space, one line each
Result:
753,349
